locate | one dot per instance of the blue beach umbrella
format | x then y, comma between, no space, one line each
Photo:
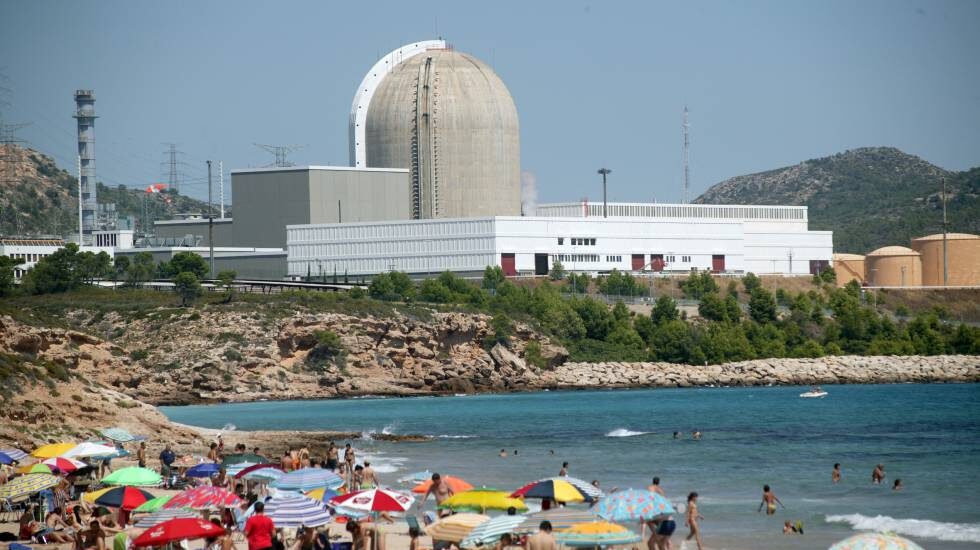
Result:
5,458
491,530
15,454
297,511
633,505
207,469
876,541
307,479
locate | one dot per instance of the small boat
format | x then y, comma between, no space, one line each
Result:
814,393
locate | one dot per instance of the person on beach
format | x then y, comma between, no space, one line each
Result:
769,500
332,453
167,457
693,517
305,540
304,458
413,535
141,455
221,446
222,542
506,541
92,538
543,539
213,453
897,486
564,470
357,482
835,475
440,490
259,529
286,462
878,474
369,478
654,487
60,531
349,457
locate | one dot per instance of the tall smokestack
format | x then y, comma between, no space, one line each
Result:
85,114
529,194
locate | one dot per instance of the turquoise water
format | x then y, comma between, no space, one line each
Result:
927,435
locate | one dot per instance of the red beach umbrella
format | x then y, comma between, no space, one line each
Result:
124,497
178,529
374,500
203,497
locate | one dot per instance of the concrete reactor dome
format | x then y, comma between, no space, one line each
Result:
449,119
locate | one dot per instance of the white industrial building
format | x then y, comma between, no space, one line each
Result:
32,250
670,238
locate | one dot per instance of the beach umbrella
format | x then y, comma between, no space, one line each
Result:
5,458
88,448
256,467
491,530
153,504
244,457
65,464
26,485
92,495
161,516
875,541
306,479
633,505
123,497
39,468
559,489
14,454
374,500
456,484
296,511
596,533
322,494
178,529
482,499
52,450
119,434
264,475
133,475
207,469
204,497
560,518
454,528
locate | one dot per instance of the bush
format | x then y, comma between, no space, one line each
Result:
665,309
329,347
139,354
762,306
392,286
502,328
698,284
751,282
532,355
188,287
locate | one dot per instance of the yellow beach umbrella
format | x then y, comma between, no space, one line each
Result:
596,534
38,468
52,450
455,527
91,497
481,500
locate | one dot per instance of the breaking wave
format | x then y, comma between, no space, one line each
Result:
952,532
623,432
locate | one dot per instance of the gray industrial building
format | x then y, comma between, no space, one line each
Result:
248,263
268,199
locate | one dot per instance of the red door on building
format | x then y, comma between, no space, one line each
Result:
718,263
657,262
508,264
638,262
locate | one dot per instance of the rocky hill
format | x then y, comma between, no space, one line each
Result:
869,197
42,199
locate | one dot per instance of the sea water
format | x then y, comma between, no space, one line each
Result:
926,434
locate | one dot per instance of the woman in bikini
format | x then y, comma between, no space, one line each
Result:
692,519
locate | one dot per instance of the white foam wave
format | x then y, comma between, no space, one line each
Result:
953,532
446,436
623,432
387,430
229,427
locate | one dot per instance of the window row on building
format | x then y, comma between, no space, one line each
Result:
392,247
29,257
564,258
409,264
578,241
691,211
400,230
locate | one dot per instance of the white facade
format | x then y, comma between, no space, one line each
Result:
735,240
31,251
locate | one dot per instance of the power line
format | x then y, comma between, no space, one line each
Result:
280,152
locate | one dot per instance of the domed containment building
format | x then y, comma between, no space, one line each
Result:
962,259
449,119
894,266
849,267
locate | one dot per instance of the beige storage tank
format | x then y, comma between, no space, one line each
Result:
894,266
849,267
962,259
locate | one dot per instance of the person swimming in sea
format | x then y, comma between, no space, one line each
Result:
503,453
897,486
835,475
878,474
696,435
769,500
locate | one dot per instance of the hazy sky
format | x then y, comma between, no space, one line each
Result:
596,84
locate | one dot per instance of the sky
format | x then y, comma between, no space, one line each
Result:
596,84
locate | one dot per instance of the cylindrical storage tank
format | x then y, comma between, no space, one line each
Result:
893,266
962,259
849,267
449,119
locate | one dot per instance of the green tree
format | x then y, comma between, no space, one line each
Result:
762,306
392,286
120,264
664,309
140,269
713,308
7,279
226,280
698,284
493,276
751,282
579,282
502,328
58,272
185,262
621,284
732,309
94,266
557,271
595,316
188,287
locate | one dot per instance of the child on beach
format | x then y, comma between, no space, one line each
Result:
692,520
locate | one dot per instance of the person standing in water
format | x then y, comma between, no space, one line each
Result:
835,475
693,518
564,470
898,485
654,487
769,500
878,474
440,490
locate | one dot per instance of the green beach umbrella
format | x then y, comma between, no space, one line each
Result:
153,504
134,475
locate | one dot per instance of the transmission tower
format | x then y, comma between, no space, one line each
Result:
172,166
280,152
9,158
687,164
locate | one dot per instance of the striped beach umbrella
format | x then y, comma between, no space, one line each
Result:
133,475
88,449
64,464
560,518
307,479
153,504
633,505
455,528
253,468
491,530
52,450
123,497
875,541
204,497
118,434
6,459
296,511
374,500
14,453
596,534
322,494
27,485
560,489
161,516
92,495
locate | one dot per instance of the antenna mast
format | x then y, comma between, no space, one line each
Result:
687,166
